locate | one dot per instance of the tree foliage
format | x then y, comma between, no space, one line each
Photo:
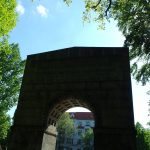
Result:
88,138
11,70
142,137
133,21
8,16
11,66
4,125
149,105
65,125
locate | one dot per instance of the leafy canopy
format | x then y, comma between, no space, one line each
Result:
88,139
4,125
65,125
88,136
11,66
11,70
8,16
133,21
142,137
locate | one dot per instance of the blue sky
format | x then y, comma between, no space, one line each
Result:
45,25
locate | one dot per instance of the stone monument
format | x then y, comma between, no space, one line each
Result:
92,77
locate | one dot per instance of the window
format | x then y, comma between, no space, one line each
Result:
86,129
69,141
79,141
79,132
80,123
87,123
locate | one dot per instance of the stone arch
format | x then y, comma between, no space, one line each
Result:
59,107
63,104
98,76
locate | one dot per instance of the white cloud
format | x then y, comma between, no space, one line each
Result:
42,10
20,9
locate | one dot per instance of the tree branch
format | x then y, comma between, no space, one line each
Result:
96,4
106,11
109,6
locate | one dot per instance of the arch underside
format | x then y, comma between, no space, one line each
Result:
62,106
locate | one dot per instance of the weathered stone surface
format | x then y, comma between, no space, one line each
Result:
95,78
49,138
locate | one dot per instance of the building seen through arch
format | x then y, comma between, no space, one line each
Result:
82,138
50,134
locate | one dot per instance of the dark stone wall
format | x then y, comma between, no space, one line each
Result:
98,76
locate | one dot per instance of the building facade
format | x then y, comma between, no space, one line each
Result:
83,121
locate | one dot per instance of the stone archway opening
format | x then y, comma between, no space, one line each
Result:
83,122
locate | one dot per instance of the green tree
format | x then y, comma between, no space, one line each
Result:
11,70
149,105
8,16
142,137
133,21
11,66
4,125
4,128
65,125
65,128
88,139
132,17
